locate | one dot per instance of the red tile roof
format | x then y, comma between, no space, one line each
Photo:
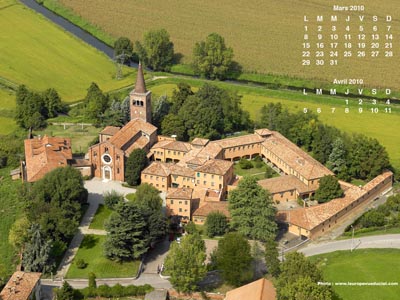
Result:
157,168
261,289
110,130
140,86
212,206
215,166
200,142
20,286
240,141
43,155
283,184
173,145
179,193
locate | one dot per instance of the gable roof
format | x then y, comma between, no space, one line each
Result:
215,166
157,168
173,145
179,193
212,206
20,286
283,184
110,130
296,158
132,128
43,155
261,289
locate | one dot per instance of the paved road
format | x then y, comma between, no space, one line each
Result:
378,241
96,188
155,257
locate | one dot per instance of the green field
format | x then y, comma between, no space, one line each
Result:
382,126
266,36
91,251
363,266
102,214
10,209
39,54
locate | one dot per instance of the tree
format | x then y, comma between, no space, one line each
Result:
299,278
18,235
135,163
157,51
112,199
216,224
337,161
52,102
179,96
271,257
36,257
126,238
185,263
173,125
161,108
252,210
211,58
148,197
96,102
123,50
66,292
329,188
31,111
234,259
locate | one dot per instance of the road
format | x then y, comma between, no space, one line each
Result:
377,241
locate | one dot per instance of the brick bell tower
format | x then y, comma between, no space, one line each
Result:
140,99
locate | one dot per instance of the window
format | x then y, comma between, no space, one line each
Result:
198,174
163,179
204,182
157,185
105,149
157,178
212,183
151,177
94,153
212,176
106,159
117,157
145,176
172,201
198,181
117,170
204,175
180,209
180,202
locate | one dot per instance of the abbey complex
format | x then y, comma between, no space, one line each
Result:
197,176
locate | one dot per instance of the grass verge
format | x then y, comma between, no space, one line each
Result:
362,266
91,251
102,214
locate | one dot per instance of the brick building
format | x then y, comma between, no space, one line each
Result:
22,286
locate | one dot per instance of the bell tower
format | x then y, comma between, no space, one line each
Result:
140,99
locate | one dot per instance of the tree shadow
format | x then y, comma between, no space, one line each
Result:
90,241
176,59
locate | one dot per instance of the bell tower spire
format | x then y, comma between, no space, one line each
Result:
140,98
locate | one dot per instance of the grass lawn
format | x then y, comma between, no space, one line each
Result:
10,209
130,196
91,251
80,138
102,214
46,56
369,233
362,265
258,172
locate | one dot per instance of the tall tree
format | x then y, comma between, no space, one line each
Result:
216,224
211,58
252,210
148,197
66,292
271,257
337,161
123,50
31,111
234,259
52,102
173,125
185,263
161,108
179,96
299,278
157,50
36,257
125,233
135,163
95,101
329,188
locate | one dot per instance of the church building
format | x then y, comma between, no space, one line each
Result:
116,144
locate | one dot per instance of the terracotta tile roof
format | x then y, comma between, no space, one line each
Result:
43,155
211,150
240,141
296,158
157,168
140,86
200,142
283,184
126,133
212,206
310,217
140,143
181,171
110,130
261,289
215,166
196,161
263,132
20,286
199,193
173,145
180,193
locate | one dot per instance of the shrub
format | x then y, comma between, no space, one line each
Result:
3,160
112,199
216,224
190,228
80,263
245,164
